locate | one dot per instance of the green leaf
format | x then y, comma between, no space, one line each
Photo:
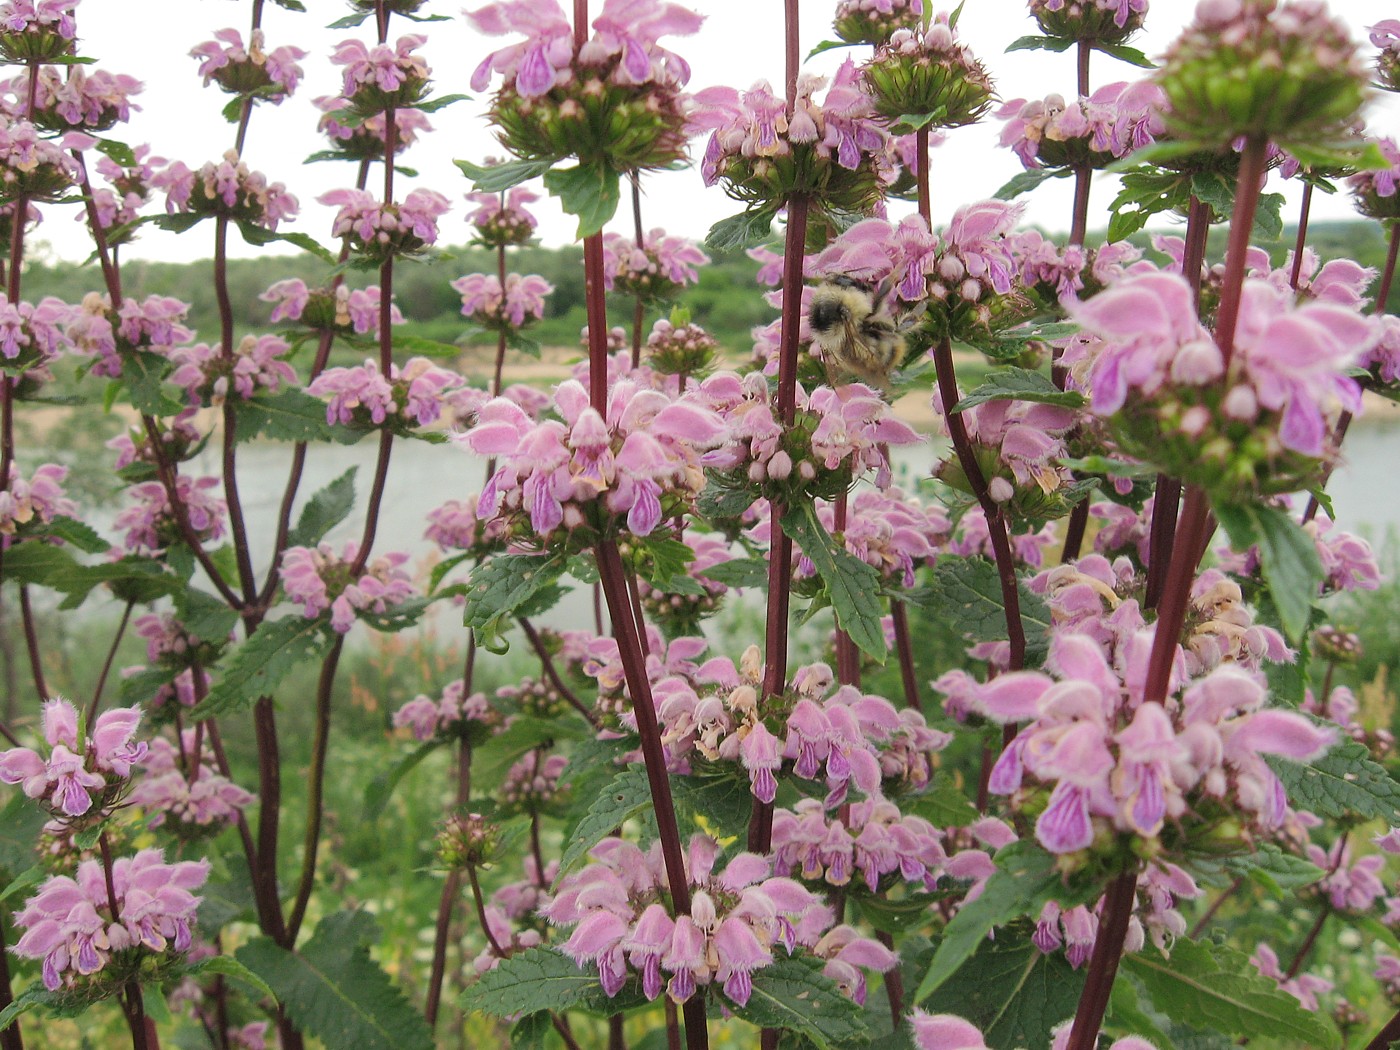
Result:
534,980
666,560
1211,986
828,45
332,989
1213,188
1277,871
627,795
1123,53
1347,156
1126,1015
500,586
228,966
741,572
500,177
20,823
381,788
1122,224
62,1003
531,1031
22,882
966,594
722,803
273,651
132,578
1287,558
205,616
350,21
748,229
852,586
326,509
254,234
1026,877
140,687
432,105
1012,991
917,121
590,191
118,151
79,533
143,373
413,345
1344,782
1019,384
945,806
793,995
157,1009
1025,181
1268,217
289,415
1118,468
1040,43
493,758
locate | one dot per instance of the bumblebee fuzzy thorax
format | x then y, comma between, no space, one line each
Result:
855,331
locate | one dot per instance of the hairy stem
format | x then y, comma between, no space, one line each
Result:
1296,273
904,646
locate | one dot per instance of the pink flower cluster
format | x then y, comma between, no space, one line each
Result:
1112,122
1375,191
1122,10
150,524
273,75
364,139
153,324
346,309
502,218
451,715
582,470
841,433
972,539
737,917
487,304
362,396
625,30
380,77
38,499
70,923
873,841
319,579
228,188
1063,272
1117,762
78,772
656,270
90,100
532,781
30,165
28,16
256,364
1305,987
456,526
384,230
951,1032
195,805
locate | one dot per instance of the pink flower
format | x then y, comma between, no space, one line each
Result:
77,774
945,1032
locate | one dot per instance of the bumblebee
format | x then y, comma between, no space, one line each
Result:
854,326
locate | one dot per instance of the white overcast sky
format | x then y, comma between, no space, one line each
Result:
740,42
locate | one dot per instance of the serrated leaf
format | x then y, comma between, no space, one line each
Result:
273,651
1118,468
333,990
143,374
1040,43
1268,217
379,790
1019,384
31,876
740,572
590,191
1211,986
793,995
132,578
534,980
417,346
205,616
748,229
626,795
254,234
326,509
1013,991
716,501
852,586
1343,782
1126,1015
498,587
1123,224
141,687
20,823
1274,869
79,533
1288,559
502,176
966,594
666,558
118,151
1026,877
289,415
1025,181
1123,53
